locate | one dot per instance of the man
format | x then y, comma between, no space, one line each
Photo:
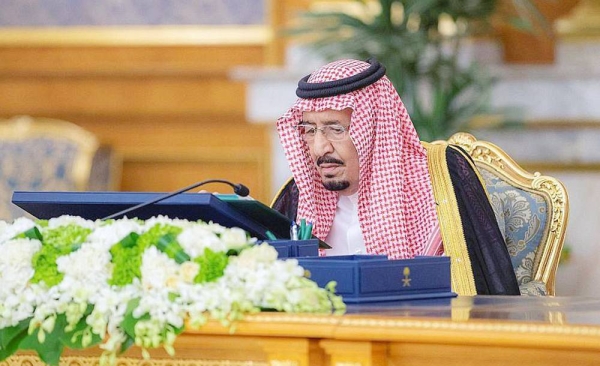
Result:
368,185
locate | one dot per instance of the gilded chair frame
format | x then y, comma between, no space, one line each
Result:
21,128
489,155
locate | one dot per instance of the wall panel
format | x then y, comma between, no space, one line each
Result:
171,111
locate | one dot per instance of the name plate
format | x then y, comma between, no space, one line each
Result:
374,278
295,248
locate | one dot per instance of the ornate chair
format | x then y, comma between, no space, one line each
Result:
531,209
44,155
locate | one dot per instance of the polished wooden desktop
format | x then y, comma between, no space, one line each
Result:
481,330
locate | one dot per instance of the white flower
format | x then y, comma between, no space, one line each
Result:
16,307
157,303
158,270
188,271
195,239
70,220
88,268
251,257
20,225
164,220
214,227
110,305
235,238
161,299
16,265
114,342
109,235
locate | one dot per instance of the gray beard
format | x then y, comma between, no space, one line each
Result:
336,185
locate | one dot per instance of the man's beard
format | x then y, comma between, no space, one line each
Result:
336,185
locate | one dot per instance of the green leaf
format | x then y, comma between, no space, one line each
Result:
33,233
168,244
51,349
129,240
129,341
7,334
41,223
11,337
179,330
74,339
129,321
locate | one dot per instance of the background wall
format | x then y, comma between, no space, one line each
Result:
150,78
24,13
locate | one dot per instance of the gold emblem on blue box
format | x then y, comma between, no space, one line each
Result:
406,279
375,278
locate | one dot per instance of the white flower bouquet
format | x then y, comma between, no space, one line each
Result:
75,283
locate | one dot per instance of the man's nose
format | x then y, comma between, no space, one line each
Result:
321,144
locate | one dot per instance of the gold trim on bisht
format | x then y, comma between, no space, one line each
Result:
455,244
470,161
281,189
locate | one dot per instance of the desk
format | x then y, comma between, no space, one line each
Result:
480,330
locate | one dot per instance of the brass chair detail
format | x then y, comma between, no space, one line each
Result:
532,212
42,154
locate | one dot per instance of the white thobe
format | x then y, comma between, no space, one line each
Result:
345,236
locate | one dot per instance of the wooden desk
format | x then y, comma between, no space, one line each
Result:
482,330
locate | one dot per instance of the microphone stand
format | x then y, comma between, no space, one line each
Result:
238,189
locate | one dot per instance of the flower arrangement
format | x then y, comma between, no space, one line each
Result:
76,283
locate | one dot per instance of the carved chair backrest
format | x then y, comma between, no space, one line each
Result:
42,154
531,210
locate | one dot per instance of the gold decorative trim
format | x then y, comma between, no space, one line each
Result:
137,36
489,156
291,318
280,191
463,282
353,320
33,360
522,328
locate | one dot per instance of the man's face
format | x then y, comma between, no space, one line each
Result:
335,160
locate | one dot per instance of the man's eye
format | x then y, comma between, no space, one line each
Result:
310,130
338,130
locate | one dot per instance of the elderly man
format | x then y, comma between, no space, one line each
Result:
368,185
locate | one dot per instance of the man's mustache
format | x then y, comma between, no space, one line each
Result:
328,160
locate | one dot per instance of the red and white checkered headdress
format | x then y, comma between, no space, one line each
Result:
396,208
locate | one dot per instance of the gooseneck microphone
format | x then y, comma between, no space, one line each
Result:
239,189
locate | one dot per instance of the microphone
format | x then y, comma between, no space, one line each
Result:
239,189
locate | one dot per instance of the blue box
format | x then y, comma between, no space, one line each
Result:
295,248
374,278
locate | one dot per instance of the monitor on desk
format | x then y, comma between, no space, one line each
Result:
227,210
